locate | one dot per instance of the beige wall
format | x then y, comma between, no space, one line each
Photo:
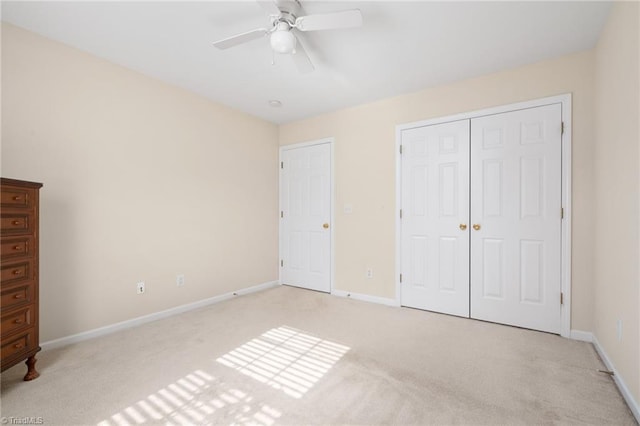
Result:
365,167
142,181
617,204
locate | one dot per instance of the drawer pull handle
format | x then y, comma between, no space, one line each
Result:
18,296
16,198
18,321
15,222
17,272
18,345
17,248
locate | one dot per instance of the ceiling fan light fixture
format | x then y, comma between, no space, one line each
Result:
286,20
282,41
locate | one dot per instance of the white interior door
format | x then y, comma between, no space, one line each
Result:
515,204
305,231
435,214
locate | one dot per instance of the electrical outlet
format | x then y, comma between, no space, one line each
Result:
140,287
180,280
369,273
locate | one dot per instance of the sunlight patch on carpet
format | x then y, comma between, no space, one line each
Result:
286,359
194,399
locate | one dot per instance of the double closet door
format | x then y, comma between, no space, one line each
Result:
481,218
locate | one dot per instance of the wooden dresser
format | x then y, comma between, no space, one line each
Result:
19,284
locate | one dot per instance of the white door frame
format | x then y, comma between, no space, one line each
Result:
330,142
565,101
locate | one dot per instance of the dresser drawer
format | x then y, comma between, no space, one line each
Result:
16,296
16,320
17,197
16,271
16,223
11,248
15,345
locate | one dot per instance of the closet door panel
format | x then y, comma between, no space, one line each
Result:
435,202
515,215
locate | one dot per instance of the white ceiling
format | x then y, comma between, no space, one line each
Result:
402,47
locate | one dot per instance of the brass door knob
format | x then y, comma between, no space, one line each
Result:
325,226
476,227
463,226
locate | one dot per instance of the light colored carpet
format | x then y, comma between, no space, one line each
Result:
291,356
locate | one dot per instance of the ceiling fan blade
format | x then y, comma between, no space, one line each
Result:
301,59
270,7
329,21
240,38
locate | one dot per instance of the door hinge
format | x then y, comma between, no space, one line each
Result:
561,298
281,263
400,277
400,213
561,212
281,214
562,127
400,149
282,164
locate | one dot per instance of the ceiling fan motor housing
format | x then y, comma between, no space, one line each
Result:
288,7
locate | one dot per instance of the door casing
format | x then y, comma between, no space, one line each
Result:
565,102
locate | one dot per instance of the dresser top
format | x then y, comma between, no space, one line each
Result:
16,182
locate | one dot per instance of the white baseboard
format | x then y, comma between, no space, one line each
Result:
96,332
624,390
584,336
366,298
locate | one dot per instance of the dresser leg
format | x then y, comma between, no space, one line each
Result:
31,369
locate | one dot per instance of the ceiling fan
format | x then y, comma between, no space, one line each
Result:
286,18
